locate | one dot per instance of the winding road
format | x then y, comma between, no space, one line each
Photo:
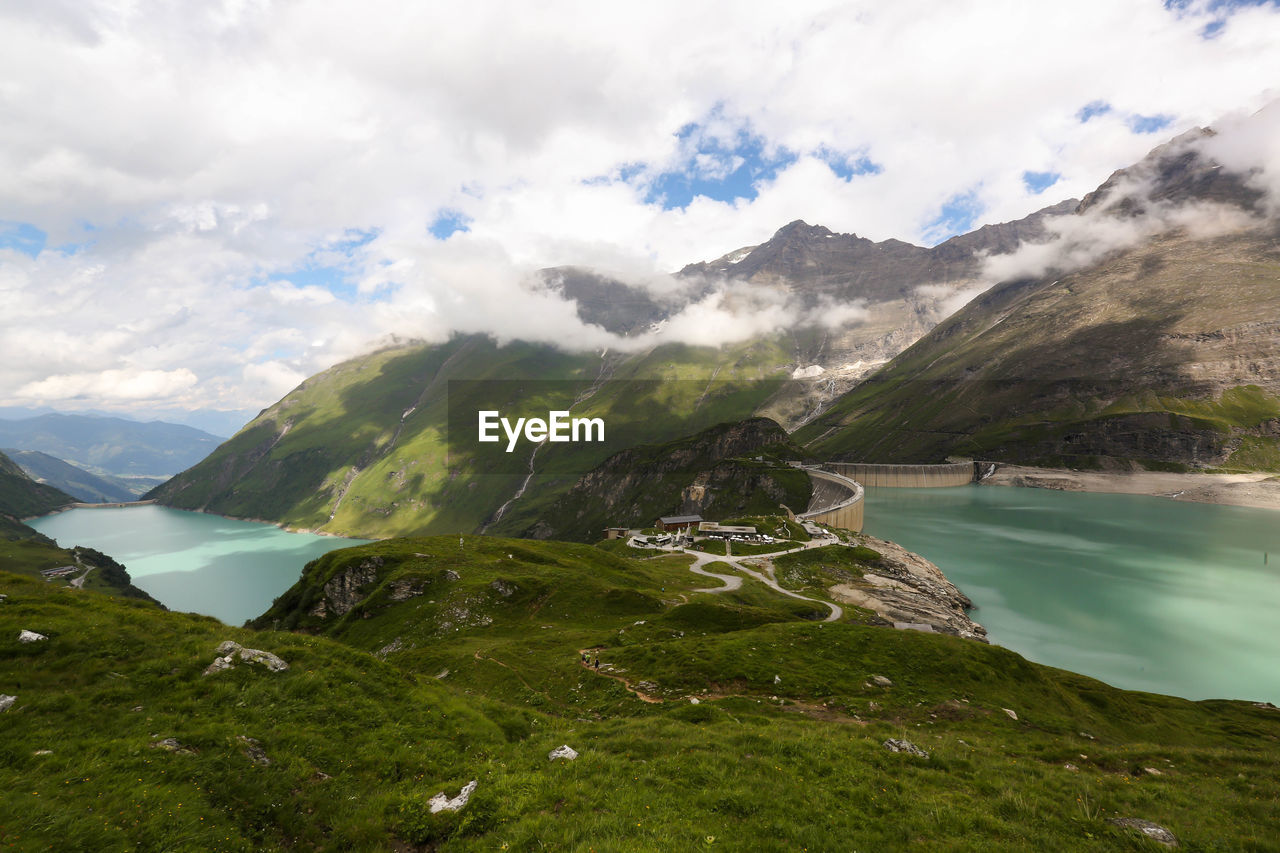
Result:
733,582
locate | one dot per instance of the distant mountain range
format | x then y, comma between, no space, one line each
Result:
111,446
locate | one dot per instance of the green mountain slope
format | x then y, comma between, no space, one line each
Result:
1165,354
80,484
364,448
22,497
725,471
784,703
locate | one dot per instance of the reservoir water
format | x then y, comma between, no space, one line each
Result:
191,561
1143,593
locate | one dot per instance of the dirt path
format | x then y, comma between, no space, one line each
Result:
608,672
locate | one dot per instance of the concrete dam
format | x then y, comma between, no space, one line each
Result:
837,500
838,497
908,476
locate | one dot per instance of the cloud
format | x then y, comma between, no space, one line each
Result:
245,190
132,385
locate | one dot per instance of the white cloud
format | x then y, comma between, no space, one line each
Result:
193,153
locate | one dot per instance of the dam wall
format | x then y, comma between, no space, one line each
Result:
837,500
908,476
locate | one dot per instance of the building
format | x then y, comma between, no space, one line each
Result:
50,574
616,532
725,531
676,522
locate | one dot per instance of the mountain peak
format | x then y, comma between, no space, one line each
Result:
802,230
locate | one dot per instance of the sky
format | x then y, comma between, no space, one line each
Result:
203,204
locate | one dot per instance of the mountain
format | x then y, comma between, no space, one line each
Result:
77,482
1161,353
371,446
21,497
725,471
387,444
105,445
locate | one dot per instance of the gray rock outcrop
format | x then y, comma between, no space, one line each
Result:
25,636
1154,831
565,751
441,802
896,745
229,650
6,702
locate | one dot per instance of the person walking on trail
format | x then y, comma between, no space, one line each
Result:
597,664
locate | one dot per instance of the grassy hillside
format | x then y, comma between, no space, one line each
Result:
725,470
22,497
782,751
364,448
76,482
1164,356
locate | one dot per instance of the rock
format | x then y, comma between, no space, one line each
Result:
777,679
229,650
565,751
403,590
390,648
881,681
895,745
342,591
442,803
1071,767
172,744
1012,714
873,706
218,665
4,599
137,708
1154,831
1087,736
451,575
43,752
6,702
1153,771
253,751
693,700
503,588
25,636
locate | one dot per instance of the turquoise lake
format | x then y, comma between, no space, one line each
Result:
1143,593
192,561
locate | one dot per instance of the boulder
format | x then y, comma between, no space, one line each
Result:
172,744
6,702
25,636
1012,714
566,752
895,745
442,803
253,751
881,681
1154,831
229,650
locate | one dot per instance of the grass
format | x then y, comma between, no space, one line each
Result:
782,752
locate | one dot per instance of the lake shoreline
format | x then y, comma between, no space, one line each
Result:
1257,490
